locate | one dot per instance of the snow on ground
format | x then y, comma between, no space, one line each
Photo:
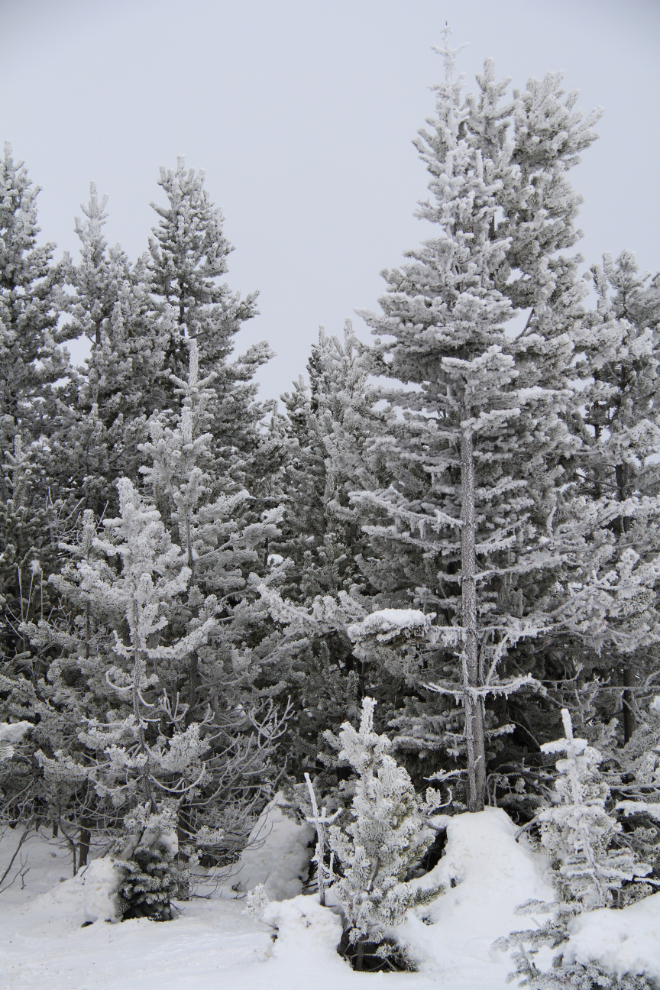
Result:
626,941
277,854
487,875
213,945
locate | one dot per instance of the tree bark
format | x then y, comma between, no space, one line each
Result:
628,701
473,706
83,842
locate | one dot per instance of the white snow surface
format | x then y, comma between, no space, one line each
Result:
13,731
213,945
625,941
390,620
493,874
277,855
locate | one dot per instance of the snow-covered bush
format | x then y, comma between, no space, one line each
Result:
383,844
634,780
148,861
588,864
578,833
578,976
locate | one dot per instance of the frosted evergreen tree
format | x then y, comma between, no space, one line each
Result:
152,574
207,628
476,523
330,420
589,864
30,303
31,363
118,737
150,877
111,397
384,842
188,257
578,833
621,427
633,776
221,545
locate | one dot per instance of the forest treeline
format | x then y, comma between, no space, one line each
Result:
459,521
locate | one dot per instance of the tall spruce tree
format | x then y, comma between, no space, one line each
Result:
31,363
106,403
188,257
621,432
329,422
474,523
30,360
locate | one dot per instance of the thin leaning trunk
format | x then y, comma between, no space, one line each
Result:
84,840
138,670
473,705
628,702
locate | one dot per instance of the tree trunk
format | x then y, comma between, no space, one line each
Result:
83,842
193,679
628,700
473,706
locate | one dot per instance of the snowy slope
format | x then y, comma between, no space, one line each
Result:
212,945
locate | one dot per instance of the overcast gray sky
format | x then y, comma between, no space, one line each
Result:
302,113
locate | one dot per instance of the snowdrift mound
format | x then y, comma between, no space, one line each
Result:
487,875
277,854
625,941
87,897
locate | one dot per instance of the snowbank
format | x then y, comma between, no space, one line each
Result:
87,897
487,875
277,855
213,944
13,732
307,933
625,941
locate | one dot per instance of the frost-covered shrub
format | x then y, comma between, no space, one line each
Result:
588,866
634,779
578,833
386,840
577,976
148,861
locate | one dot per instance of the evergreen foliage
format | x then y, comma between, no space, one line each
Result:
150,875
30,360
188,255
589,865
480,520
386,840
122,382
453,532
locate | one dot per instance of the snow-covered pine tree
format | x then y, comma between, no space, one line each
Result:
621,433
578,833
329,421
210,682
188,257
386,840
31,362
106,404
143,749
30,283
147,860
590,862
327,424
211,518
475,524
633,776
206,512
